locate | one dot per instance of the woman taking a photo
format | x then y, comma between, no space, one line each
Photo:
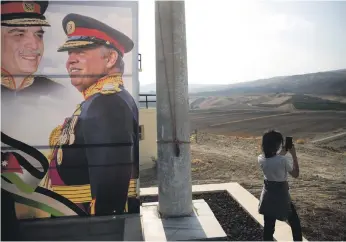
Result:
275,202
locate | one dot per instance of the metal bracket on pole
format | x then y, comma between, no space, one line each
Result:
140,62
176,143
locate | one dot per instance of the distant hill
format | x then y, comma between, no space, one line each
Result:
313,91
193,88
321,83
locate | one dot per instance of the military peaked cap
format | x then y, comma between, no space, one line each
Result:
85,32
23,13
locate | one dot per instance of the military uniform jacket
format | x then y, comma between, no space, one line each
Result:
95,151
37,86
24,166
28,110
16,155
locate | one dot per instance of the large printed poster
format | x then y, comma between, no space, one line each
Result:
69,114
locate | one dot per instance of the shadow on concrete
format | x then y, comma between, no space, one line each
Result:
104,228
185,228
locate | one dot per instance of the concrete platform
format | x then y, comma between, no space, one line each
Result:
248,201
201,225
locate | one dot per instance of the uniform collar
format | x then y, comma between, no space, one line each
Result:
7,80
106,85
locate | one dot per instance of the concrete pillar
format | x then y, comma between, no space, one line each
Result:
174,170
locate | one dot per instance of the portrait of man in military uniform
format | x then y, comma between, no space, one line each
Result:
23,110
94,155
25,94
22,47
22,166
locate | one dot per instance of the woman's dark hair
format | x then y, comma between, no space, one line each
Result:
271,142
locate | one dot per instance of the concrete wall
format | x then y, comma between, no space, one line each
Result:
107,228
147,145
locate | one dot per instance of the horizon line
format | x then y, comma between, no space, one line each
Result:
253,80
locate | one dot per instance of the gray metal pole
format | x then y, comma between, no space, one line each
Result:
174,166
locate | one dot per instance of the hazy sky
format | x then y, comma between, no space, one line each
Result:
246,40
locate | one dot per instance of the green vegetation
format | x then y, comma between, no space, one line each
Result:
313,103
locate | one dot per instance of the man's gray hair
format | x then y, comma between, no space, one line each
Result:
106,51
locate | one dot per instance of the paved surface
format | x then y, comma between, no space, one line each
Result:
201,225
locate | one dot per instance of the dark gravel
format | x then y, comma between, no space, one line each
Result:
237,224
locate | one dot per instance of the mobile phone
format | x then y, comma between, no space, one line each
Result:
289,143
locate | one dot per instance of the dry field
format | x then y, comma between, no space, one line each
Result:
306,125
269,100
319,193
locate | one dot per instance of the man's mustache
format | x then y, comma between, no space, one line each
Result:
31,52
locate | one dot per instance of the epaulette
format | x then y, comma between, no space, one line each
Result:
107,85
110,88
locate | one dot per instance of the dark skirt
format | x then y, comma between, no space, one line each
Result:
275,200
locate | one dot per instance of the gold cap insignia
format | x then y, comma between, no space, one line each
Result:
70,27
28,7
108,43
